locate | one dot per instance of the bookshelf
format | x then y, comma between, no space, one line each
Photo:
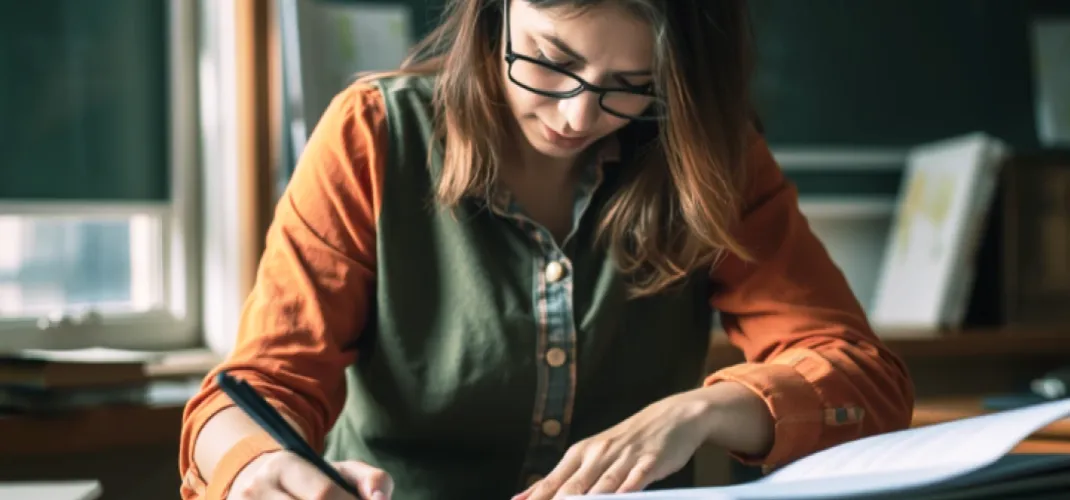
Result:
965,343
992,342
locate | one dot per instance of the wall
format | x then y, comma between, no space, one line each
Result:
855,234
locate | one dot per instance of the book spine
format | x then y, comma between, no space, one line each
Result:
964,274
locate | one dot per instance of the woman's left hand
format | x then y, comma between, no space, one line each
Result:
646,447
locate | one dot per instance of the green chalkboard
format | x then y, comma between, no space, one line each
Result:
880,183
892,72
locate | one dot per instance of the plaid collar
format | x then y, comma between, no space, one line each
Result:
590,178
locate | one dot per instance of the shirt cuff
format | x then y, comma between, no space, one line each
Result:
794,403
193,484
234,460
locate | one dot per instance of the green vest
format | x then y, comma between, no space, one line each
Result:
489,349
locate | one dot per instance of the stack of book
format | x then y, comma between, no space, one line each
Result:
36,382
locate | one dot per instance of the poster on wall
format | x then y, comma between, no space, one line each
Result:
1051,70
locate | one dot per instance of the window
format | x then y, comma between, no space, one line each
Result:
80,264
98,229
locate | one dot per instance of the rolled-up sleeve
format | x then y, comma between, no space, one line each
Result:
810,352
312,294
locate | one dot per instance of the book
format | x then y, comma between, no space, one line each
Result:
98,367
74,368
37,401
961,459
927,270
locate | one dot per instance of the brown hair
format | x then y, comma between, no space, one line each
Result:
680,198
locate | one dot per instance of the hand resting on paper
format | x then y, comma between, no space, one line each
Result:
658,441
284,475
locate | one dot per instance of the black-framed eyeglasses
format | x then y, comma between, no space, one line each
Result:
631,102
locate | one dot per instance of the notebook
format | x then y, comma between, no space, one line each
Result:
962,459
71,369
57,490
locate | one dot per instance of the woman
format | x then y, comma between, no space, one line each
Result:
494,274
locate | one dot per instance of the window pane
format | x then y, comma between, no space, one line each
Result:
53,265
84,100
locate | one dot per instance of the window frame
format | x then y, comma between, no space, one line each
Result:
223,246
179,323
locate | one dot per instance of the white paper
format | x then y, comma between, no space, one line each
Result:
888,462
73,490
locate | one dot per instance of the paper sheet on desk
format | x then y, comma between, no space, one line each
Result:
886,463
58,490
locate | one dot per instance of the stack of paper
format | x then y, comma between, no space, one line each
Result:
963,459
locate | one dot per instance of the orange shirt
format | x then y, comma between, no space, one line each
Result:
811,354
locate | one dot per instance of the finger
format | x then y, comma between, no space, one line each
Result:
258,490
526,494
370,481
548,486
614,476
641,475
584,478
261,494
303,481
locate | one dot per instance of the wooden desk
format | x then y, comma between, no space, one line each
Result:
91,430
131,450
1054,438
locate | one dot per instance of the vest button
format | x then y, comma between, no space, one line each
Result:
556,357
551,428
554,271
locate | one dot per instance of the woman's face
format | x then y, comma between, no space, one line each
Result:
604,45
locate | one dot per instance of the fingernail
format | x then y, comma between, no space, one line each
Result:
378,495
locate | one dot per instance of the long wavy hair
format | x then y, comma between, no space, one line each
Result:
681,190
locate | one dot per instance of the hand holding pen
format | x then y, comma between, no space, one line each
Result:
284,475
297,472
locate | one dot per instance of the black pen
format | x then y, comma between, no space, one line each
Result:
266,417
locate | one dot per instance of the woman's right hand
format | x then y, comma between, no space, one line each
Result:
283,475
